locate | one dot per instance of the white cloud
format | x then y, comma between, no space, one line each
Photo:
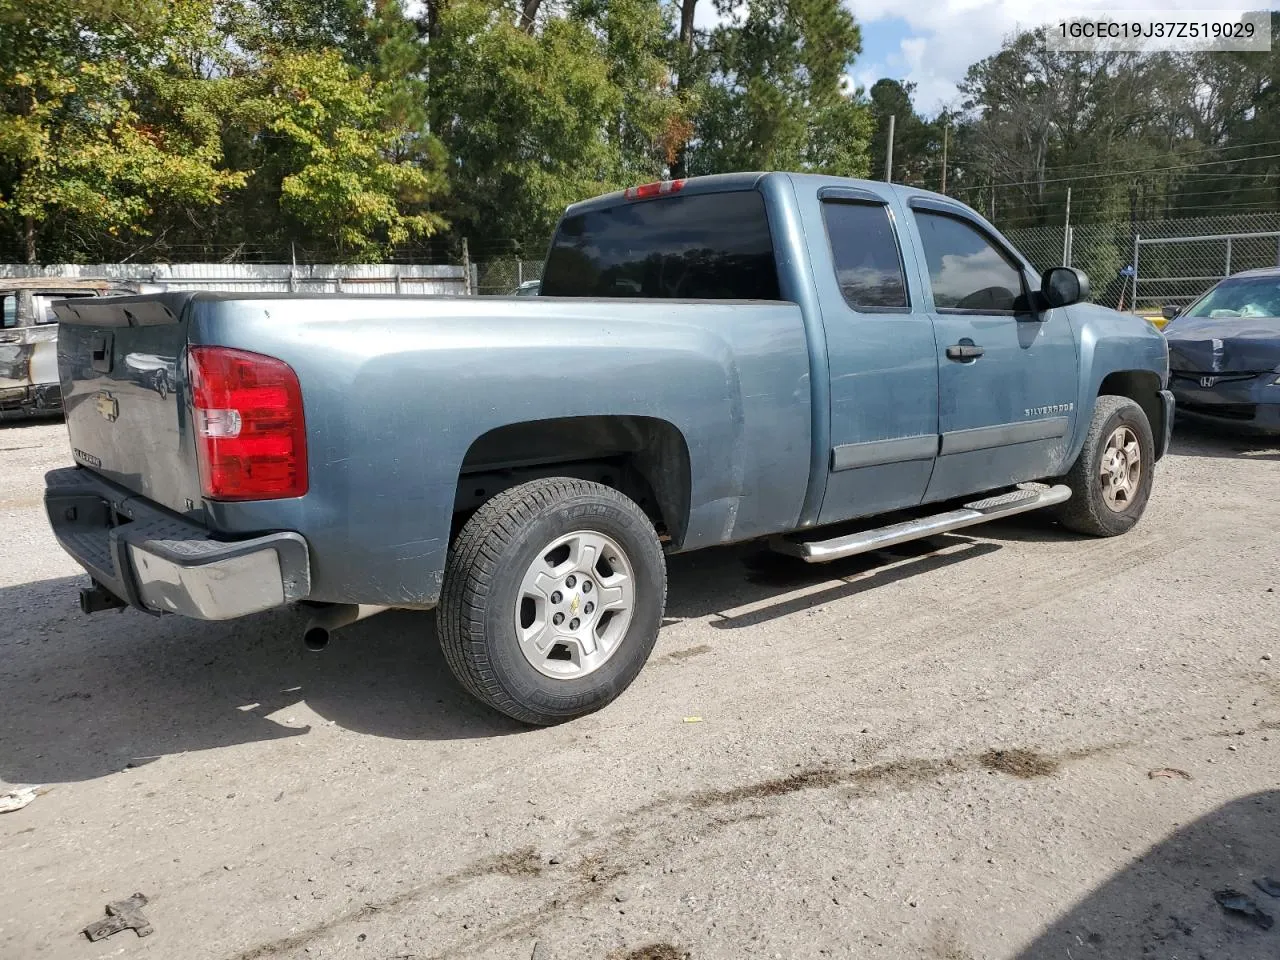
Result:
949,35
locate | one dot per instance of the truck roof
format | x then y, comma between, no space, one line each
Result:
725,182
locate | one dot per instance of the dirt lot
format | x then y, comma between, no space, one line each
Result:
943,751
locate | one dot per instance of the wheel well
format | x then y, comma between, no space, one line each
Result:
643,457
1143,388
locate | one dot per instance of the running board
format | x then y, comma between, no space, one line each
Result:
1029,497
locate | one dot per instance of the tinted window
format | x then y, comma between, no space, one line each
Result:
715,246
10,302
865,251
965,270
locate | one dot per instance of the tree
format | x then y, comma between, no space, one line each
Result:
339,150
915,141
775,97
98,128
534,121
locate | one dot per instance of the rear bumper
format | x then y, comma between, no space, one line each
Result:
40,398
161,563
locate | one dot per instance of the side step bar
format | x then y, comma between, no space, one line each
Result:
1026,497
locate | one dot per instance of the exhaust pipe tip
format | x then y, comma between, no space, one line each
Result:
315,639
319,629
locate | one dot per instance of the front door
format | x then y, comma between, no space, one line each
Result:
1006,371
880,354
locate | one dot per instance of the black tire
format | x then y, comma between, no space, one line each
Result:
476,617
1087,511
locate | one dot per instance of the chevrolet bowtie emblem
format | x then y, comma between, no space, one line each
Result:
573,604
107,406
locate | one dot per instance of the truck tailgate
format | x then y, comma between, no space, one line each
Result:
120,363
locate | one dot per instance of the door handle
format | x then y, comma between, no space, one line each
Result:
964,350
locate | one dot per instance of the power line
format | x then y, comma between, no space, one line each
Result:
1199,149
1120,173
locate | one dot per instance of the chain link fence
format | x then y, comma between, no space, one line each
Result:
501,278
1177,260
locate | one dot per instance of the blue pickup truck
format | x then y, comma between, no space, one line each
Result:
708,361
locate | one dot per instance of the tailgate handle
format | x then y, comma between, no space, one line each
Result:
100,352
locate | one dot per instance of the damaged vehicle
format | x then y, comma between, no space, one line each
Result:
29,339
1224,354
746,357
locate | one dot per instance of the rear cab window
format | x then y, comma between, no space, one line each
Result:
711,246
867,257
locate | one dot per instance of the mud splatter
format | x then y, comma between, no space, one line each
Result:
1024,764
677,655
523,862
897,775
652,951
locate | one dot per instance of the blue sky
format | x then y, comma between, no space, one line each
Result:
932,42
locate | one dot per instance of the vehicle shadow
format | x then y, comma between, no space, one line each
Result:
1163,904
713,581
83,697
1192,439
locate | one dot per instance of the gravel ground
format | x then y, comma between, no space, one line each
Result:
943,751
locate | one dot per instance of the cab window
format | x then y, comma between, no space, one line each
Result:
968,273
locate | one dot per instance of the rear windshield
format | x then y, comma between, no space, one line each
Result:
715,246
1241,297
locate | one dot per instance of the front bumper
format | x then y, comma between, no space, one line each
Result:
1245,405
162,563
1166,437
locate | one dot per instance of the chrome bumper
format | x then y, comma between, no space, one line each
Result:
161,563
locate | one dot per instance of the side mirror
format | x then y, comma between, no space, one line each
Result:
1063,286
1169,312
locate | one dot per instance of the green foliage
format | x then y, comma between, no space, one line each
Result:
338,157
774,98
362,128
535,121
96,131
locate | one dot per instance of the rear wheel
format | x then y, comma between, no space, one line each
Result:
1111,479
553,595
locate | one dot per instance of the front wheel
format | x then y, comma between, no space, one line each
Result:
1111,479
553,594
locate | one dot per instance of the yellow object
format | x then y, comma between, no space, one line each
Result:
692,719
1155,318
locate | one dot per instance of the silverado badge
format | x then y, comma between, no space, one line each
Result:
107,406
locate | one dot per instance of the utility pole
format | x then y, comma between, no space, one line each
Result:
888,154
992,192
946,128
1066,231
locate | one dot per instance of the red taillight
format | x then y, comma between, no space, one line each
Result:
655,189
251,440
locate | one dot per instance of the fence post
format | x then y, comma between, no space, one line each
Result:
1137,240
1066,232
1227,272
397,281
519,273
466,268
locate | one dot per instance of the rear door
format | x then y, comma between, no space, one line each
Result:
120,366
1006,373
880,350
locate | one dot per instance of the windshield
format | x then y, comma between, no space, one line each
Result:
1239,297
